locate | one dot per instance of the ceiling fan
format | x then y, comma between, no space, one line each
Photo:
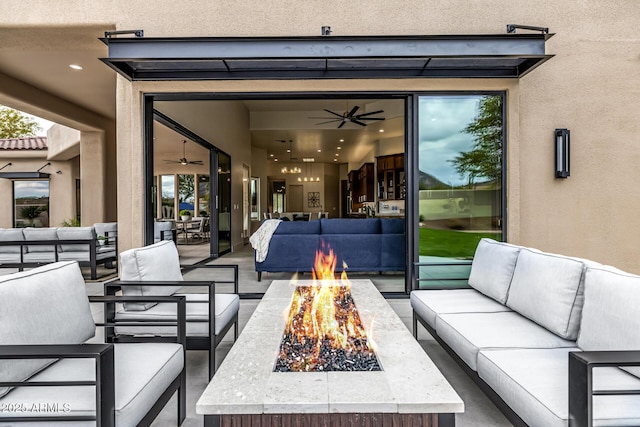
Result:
350,117
183,161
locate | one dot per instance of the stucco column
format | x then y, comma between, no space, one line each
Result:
92,177
129,157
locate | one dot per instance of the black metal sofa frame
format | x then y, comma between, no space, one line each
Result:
91,243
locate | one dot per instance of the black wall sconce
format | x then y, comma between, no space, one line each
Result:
563,148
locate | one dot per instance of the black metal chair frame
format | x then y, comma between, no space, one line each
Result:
581,390
103,354
208,343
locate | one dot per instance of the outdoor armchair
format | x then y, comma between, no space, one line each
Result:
51,375
156,270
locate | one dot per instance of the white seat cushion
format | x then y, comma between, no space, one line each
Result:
40,257
534,383
429,303
157,262
467,334
227,306
142,373
492,268
46,305
547,288
9,257
84,256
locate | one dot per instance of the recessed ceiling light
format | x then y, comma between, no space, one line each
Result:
337,154
275,160
75,66
381,130
270,155
335,160
288,151
319,151
339,148
342,140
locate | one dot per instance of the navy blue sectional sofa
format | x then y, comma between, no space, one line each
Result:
372,244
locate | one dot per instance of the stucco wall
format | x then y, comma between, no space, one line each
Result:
591,86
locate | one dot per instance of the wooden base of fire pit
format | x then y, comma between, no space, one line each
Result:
332,420
408,391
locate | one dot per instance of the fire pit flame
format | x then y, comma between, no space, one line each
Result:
324,331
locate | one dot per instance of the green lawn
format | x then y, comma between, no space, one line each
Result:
451,243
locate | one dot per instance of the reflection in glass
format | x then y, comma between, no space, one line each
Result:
460,180
168,188
31,203
224,203
186,193
255,199
203,195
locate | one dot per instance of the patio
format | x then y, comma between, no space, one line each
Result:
479,410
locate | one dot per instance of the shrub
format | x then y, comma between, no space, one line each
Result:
185,212
71,222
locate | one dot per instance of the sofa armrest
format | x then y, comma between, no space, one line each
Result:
110,321
234,267
104,383
420,267
581,390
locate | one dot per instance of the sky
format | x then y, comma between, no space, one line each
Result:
44,124
442,120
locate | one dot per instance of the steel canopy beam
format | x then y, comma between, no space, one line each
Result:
501,55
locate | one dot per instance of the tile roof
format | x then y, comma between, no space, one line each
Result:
24,143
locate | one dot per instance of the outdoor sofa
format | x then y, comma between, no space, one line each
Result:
53,372
371,244
549,338
31,247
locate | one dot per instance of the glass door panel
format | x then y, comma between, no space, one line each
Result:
460,189
224,203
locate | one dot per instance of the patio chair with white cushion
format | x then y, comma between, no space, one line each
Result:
51,372
156,270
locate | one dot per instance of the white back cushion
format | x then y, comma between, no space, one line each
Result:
11,235
75,233
611,312
492,268
40,234
46,305
157,262
610,316
547,289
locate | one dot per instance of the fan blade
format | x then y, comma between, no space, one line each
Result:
342,124
196,162
368,118
357,122
332,112
171,161
330,121
353,111
369,114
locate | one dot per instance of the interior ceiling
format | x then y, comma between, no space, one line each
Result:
281,125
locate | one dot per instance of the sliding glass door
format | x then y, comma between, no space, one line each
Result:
460,182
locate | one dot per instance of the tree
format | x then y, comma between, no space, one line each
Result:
485,158
186,187
14,124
